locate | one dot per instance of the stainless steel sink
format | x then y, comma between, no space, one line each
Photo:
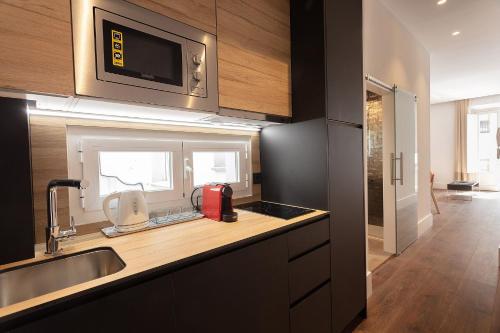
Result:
32,280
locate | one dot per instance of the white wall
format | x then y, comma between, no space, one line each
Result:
393,55
443,124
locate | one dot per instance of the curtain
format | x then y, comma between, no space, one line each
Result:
461,166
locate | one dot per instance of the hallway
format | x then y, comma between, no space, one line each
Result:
447,280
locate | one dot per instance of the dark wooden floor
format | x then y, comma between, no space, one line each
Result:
447,280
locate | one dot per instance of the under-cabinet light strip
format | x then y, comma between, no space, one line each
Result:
93,116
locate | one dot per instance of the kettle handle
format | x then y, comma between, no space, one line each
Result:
105,206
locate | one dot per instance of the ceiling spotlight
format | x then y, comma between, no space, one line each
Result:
455,33
441,2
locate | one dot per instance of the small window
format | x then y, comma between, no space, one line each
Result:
125,163
216,166
168,165
484,126
218,162
123,170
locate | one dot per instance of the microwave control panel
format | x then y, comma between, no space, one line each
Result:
197,69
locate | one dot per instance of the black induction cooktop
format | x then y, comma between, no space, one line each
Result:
273,209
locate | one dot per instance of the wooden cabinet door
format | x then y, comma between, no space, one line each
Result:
348,225
253,40
146,307
244,291
197,13
36,55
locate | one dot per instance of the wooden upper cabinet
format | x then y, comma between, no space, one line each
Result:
253,39
197,13
35,37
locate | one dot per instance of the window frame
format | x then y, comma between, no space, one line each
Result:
240,189
81,138
91,147
484,130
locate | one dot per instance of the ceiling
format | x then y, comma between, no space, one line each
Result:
463,66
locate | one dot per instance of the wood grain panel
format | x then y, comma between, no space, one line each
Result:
255,142
198,13
36,46
49,161
254,55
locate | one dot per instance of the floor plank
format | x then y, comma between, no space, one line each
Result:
447,280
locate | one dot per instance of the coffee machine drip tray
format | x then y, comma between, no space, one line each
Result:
273,209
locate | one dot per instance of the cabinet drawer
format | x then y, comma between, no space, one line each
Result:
308,272
313,314
306,238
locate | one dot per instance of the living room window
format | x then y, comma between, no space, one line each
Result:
484,126
482,145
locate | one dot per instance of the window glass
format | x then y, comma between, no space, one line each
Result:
484,165
126,170
216,166
484,126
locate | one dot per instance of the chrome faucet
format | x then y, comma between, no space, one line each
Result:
53,233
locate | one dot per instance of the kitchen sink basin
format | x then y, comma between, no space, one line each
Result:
32,280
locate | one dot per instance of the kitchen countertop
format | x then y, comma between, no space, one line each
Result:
162,248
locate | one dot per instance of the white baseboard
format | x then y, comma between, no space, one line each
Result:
488,188
425,224
369,286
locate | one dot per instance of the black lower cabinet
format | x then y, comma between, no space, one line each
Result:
146,307
308,272
348,223
313,314
242,291
245,290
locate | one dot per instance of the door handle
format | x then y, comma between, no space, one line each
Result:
394,159
401,168
393,168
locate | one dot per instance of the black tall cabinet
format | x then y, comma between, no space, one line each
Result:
16,202
317,160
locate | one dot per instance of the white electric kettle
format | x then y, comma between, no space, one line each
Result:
132,210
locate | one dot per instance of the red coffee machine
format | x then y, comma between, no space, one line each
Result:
218,203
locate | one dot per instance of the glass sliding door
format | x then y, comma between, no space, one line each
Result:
405,168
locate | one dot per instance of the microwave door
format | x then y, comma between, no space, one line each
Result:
132,53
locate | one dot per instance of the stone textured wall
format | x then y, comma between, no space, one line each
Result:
375,166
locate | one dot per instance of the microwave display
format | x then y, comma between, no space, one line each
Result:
137,54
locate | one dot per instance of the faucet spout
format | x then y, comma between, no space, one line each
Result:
53,234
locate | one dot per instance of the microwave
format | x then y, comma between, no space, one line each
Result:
127,53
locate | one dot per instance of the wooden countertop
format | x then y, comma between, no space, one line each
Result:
145,251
